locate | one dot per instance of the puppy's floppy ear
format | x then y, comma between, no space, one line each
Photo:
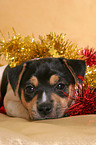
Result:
78,67
15,75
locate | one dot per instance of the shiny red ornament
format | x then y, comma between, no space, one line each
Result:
90,55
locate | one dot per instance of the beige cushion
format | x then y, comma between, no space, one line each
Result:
78,130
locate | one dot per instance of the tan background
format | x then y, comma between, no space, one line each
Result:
76,18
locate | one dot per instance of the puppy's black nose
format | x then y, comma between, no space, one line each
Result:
44,108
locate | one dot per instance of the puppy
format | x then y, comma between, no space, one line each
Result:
40,88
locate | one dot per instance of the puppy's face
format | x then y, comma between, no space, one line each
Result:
46,86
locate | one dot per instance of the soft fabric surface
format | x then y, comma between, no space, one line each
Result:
77,130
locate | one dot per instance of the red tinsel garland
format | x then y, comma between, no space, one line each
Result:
85,103
2,110
90,56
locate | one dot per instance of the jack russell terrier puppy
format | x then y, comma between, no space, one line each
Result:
40,88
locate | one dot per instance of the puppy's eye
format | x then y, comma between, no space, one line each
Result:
29,89
60,86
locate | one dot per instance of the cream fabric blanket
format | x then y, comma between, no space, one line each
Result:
78,130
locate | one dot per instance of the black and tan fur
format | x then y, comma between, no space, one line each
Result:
40,89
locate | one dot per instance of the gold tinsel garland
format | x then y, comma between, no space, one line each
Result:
90,76
19,49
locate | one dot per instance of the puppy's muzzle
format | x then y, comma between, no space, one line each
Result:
45,108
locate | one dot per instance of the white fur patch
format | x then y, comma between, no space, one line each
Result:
2,68
44,97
